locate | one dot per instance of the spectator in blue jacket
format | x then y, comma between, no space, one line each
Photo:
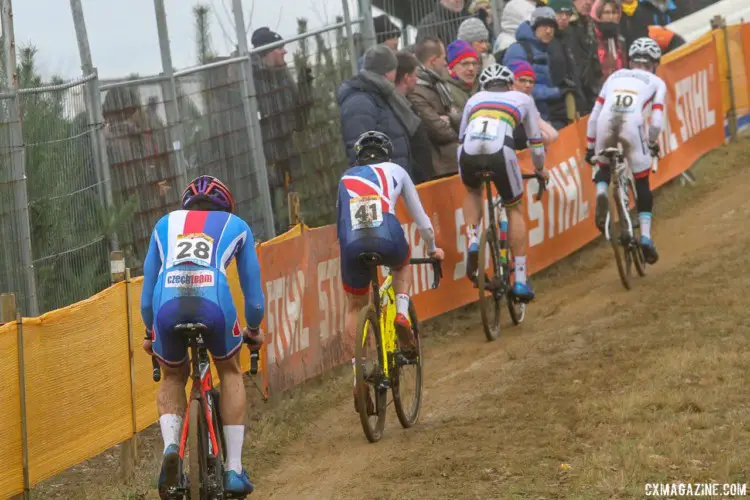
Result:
369,102
532,37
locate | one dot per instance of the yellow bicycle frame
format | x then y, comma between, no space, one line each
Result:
387,326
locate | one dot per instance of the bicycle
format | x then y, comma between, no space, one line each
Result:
497,287
386,371
205,441
625,243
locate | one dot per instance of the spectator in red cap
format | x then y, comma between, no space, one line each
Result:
464,64
525,79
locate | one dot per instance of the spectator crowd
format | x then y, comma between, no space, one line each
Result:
560,51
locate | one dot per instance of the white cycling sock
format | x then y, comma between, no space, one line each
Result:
171,428
234,436
520,264
601,188
472,234
645,218
402,304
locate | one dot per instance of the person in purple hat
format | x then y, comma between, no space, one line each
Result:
464,65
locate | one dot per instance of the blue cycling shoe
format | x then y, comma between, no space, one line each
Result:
650,254
237,484
523,292
170,468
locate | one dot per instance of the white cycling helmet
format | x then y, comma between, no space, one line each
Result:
645,49
494,74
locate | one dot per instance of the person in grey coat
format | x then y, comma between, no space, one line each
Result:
369,102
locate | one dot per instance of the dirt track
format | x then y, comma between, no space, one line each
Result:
622,387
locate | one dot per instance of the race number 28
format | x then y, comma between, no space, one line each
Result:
196,248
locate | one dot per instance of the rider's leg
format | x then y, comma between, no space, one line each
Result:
645,202
517,236
472,206
171,402
232,409
640,165
402,279
601,180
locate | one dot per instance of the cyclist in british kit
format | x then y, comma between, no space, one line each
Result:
618,116
366,222
486,143
185,282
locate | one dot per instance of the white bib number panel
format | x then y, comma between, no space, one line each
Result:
366,212
195,247
484,129
624,101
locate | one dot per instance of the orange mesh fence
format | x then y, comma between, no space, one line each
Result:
11,451
77,382
77,366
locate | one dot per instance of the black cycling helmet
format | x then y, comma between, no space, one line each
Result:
373,145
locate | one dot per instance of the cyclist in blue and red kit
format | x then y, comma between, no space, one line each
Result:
185,281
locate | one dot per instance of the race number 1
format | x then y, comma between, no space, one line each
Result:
195,247
486,129
366,212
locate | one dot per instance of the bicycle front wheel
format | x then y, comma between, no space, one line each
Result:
490,286
370,393
615,232
196,450
407,383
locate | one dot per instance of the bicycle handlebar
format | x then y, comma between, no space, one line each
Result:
436,267
542,184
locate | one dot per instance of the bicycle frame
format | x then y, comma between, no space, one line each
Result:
202,384
620,178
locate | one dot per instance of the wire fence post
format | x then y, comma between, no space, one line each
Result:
497,13
18,159
252,114
350,37
92,94
368,26
169,89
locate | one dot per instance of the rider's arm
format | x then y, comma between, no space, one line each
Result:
248,269
593,117
414,205
534,134
657,112
151,267
464,123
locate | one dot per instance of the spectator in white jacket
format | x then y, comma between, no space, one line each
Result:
514,13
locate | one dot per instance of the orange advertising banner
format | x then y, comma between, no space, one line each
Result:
305,307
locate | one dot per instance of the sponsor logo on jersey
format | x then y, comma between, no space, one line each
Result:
178,279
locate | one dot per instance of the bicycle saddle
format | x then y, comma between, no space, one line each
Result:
191,330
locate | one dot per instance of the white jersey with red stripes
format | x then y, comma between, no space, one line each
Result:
627,98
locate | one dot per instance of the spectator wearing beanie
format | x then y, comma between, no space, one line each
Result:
533,37
525,79
463,63
369,101
562,65
476,33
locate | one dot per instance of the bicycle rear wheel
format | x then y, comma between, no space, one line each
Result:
196,450
409,365
368,370
615,235
489,295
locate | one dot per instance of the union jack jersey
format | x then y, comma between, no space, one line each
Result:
489,119
366,192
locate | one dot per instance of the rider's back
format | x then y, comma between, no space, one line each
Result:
630,93
505,110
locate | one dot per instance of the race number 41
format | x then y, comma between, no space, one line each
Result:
366,212
194,247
